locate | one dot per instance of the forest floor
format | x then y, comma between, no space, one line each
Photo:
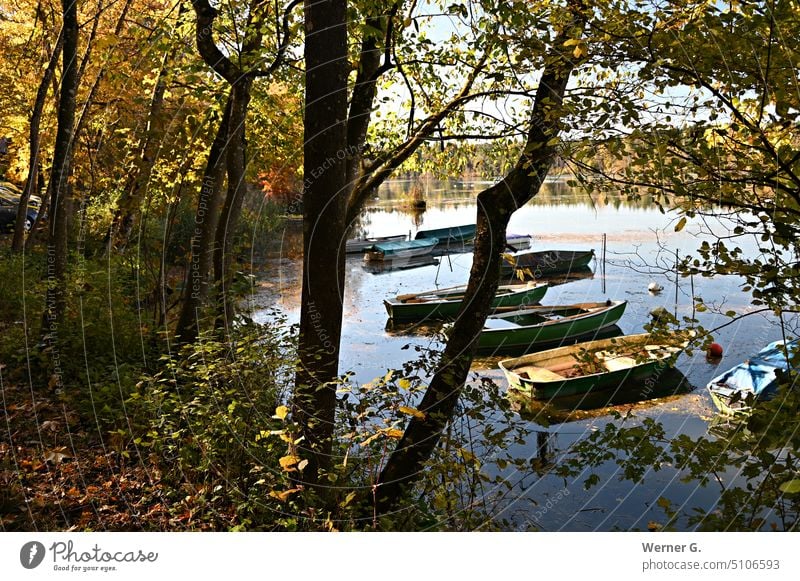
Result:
57,474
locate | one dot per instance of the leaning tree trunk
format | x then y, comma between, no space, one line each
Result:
55,299
324,208
202,244
136,189
32,182
232,208
495,207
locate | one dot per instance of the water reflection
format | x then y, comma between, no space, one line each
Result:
387,266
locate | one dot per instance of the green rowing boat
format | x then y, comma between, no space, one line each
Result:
546,262
445,303
590,366
541,326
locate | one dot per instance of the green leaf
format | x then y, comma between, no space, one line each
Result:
790,486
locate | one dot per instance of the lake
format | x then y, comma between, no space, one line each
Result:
641,245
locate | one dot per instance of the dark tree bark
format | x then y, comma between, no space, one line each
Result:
240,77
375,43
202,244
495,207
232,208
32,184
324,208
55,299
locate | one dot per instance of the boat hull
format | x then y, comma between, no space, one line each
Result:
400,250
753,380
447,309
360,245
544,387
518,241
540,336
449,236
549,262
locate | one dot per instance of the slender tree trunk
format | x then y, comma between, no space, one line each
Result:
232,208
365,89
136,190
31,182
495,207
55,301
324,208
202,244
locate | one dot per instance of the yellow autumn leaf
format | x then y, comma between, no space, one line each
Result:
283,495
281,412
394,433
370,439
403,383
579,50
411,412
469,456
287,462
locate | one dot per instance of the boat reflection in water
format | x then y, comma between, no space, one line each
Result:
670,384
726,427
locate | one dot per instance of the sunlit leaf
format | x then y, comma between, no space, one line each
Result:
411,412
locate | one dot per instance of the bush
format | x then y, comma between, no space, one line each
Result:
208,419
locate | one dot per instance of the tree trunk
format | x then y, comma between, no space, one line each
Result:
324,208
232,209
55,300
495,206
31,182
202,245
133,195
373,44
131,200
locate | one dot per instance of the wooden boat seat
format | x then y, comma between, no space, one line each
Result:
619,363
537,373
499,324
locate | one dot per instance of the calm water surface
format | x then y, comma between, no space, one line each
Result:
639,237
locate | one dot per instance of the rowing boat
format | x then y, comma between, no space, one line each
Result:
359,245
445,303
538,327
400,249
545,262
753,380
518,241
589,366
449,236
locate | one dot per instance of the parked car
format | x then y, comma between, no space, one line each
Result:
9,202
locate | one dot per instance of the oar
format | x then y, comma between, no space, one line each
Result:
425,293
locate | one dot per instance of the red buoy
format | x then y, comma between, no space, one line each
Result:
715,350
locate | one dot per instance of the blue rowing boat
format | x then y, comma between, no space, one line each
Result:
753,380
449,236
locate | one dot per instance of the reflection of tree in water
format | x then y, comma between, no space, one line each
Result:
455,193
416,215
